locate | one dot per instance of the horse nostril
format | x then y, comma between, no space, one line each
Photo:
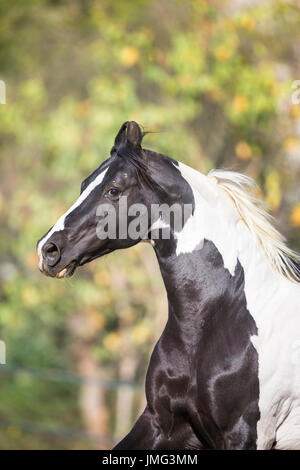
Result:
51,253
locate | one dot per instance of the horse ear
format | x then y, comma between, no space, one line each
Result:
134,133
131,132
121,135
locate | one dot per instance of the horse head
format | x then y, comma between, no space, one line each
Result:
129,182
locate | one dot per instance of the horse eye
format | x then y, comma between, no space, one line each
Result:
113,192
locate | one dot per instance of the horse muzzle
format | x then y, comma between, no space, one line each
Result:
51,262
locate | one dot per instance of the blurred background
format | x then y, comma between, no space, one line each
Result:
214,80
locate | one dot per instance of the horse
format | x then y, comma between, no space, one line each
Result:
225,372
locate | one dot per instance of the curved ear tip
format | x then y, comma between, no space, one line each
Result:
132,124
130,131
124,125
134,133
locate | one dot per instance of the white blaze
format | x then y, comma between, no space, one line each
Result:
60,224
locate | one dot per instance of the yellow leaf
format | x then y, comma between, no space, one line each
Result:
247,22
243,150
295,216
295,111
240,104
112,342
141,334
223,53
291,144
129,56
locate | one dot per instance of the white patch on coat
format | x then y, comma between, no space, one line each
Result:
158,224
210,211
273,301
60,224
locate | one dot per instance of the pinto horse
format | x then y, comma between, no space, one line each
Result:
225,373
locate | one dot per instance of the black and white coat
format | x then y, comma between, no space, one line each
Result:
225,373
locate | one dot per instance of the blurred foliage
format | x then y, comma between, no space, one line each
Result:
212,79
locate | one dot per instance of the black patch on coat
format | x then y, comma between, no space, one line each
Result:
202,383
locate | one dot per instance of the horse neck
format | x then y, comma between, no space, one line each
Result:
213,248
